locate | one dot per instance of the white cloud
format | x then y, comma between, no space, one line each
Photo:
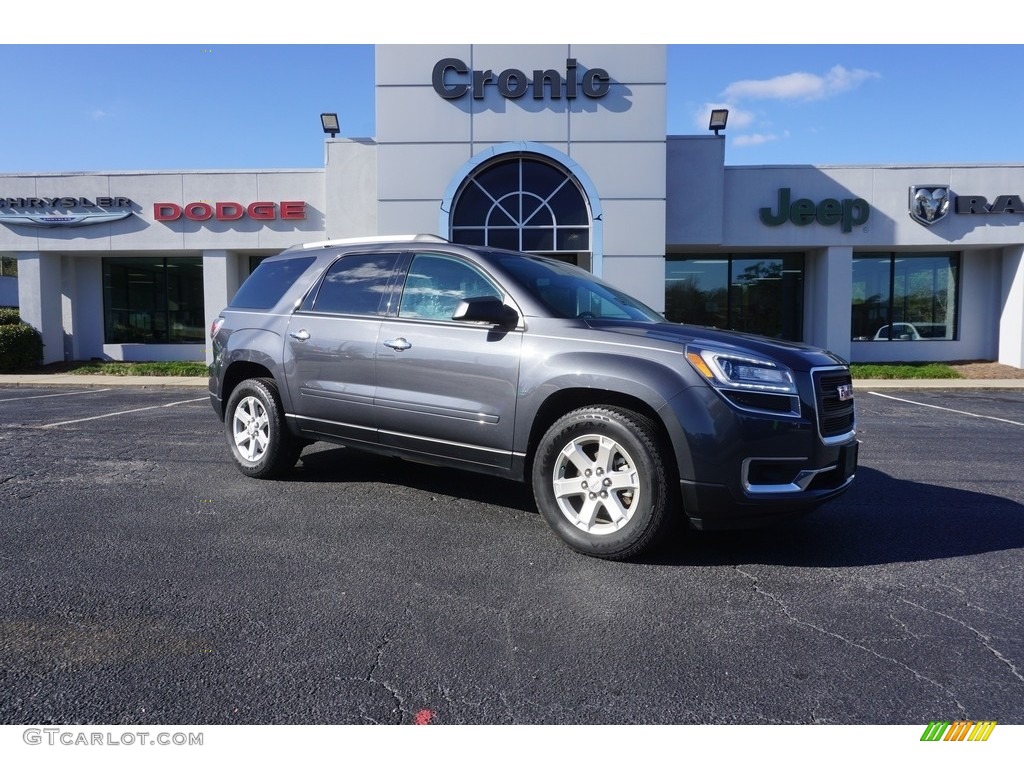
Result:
754,139
98,114
800,85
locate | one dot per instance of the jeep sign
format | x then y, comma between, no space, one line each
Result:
847,213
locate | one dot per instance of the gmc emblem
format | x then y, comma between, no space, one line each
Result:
845,392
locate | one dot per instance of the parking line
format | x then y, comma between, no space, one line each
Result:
120,413
59,394
951,410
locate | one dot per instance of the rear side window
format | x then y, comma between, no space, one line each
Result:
355,285
269,282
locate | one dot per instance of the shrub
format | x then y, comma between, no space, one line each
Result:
21,346
9,316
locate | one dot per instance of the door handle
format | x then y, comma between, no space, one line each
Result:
300,335
399,344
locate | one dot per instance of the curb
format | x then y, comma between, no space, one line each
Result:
99,380
864,385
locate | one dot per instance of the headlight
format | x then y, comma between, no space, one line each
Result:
748,382
729,369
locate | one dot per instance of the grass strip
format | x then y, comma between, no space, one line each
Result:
178,368
903,371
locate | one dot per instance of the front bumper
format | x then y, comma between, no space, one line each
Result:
743,469
711,506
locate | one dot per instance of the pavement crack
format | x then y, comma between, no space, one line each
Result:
986,640
371,674
892,617
380,648
789,615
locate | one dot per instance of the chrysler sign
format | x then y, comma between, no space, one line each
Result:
63,211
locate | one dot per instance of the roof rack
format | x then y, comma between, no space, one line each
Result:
376,239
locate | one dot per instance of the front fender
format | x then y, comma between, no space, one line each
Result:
655,382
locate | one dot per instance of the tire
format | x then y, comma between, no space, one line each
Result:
254,424
621,508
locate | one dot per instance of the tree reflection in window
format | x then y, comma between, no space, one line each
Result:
760,294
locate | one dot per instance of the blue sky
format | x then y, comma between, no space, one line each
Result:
69,106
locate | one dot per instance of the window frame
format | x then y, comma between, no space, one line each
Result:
406,272
162,310
263,306
955,260
545,205
308,304
730,312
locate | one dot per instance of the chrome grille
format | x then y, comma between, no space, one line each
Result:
835,416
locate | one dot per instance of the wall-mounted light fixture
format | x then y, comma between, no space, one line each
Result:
719,117
329,121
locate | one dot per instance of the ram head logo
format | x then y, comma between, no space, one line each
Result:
929,204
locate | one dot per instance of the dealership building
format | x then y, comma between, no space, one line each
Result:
553,149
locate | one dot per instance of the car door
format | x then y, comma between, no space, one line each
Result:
330,346
447,388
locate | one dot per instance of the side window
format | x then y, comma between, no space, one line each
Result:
269,282
436,284
355,285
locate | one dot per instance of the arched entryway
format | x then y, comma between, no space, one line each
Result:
525,201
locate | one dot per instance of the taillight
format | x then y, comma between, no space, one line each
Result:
215,326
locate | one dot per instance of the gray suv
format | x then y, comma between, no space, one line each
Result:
529,368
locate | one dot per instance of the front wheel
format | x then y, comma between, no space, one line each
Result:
600,482
260,441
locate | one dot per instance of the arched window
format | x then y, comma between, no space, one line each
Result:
524,203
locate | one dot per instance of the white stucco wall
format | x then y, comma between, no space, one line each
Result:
695,191
141,232
1011,306
39,299
87,303
350,187
828,282
426,142
978,319
886,190
60,286
990,314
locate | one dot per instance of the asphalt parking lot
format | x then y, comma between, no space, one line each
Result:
143,580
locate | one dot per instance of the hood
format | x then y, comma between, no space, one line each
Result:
801,357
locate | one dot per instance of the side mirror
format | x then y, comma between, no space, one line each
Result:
486,309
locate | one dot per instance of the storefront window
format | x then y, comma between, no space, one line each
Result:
760,294
524,203
8,266
905,297
153,301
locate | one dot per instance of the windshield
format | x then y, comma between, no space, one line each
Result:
569,291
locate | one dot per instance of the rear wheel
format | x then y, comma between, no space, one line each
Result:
260,441
600,483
